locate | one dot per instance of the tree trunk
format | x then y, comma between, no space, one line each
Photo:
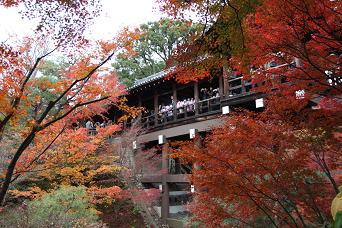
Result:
11,166
3,124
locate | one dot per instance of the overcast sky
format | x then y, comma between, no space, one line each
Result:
115,15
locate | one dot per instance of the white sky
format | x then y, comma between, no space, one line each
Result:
115,15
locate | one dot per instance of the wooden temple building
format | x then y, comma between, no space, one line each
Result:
176,111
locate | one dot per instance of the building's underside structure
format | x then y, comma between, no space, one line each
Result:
175,112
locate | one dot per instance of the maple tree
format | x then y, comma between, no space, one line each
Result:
75,158
269,171
65,20
81,90
154,44
311,47
278,167
221,37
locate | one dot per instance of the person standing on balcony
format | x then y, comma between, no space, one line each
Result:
192,104
187,105
89,126
169,110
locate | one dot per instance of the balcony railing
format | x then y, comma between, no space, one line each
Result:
186,112
211,106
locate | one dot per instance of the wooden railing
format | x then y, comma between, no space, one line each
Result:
186,112
237,87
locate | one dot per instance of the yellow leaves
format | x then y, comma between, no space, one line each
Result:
75,157
106,169
72,175
312,135
104,195
126,40
80,69
130,111
107,47
31,193
108,130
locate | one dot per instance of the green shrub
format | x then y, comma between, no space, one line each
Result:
65,207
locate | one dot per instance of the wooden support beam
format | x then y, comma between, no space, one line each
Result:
178,178
196,96
170,178
165,201
175,99
221,92
165,160
226,75
165,189
243,86
140,105
155,103
139,101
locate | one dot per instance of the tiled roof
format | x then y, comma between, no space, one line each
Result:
151,78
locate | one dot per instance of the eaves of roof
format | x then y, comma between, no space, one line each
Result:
149,79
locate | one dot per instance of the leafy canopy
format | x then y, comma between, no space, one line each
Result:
152,47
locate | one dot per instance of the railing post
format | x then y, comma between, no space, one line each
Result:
165,188
174,102
243,88
226,75
155,103
196,96
221,92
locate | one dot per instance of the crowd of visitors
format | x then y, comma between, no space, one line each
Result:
209,93
182,107
92,127
186,105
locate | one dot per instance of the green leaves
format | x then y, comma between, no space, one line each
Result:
156,43
65,207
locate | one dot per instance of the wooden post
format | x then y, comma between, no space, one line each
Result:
174,104
165,200
165,187
140,104
225,76
155,103
136,149
139,101
196,96
243,88
221,92
198,145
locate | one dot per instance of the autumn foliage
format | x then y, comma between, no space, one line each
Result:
311,46
268,172
279,167
39,113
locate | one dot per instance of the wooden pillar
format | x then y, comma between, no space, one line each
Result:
175,99
198,145
135,149
139,104
165,187
196,96
165,200
226,75
243,88
221,92
155,103
139,101
165,160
